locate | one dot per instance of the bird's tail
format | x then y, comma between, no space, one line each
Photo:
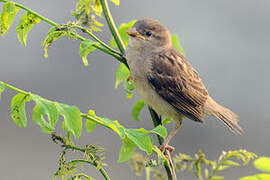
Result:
229,118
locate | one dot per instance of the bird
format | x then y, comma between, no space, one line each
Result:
167,82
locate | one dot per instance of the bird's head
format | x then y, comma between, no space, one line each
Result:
149,33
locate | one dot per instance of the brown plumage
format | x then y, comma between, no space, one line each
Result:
167,82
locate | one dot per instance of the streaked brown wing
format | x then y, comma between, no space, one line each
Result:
178,83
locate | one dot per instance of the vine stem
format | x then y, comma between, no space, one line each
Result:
101,170
111,24
155,118
106,49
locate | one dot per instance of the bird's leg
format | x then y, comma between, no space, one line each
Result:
165,145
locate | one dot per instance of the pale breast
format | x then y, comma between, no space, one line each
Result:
139,68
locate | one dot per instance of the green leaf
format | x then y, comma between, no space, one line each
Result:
2,88
122,73
115,126
129,86
141,139
7,16
263,176
26,24
122,31
46,108
222,167
53,34
177,45
136,110
166,120
216,178
230,163
83,6
126,151
160,130
18,109
249,178
72,118
86,47
97,7
263,164
90,125
116,2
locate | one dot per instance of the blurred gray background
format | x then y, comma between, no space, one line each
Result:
227,41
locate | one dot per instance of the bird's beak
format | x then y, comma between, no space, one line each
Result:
134,33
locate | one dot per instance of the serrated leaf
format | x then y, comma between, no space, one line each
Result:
2,88
116,2
46,108
122,73
86,47
127,149
177,45
136,110
7,16
216,178
90,125
160,130
142,140
262,163
18,109
122,31
53,34
26,24
166,120
72,118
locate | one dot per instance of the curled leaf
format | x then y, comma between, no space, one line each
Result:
7,16
86,47
26,24
18,109
136,110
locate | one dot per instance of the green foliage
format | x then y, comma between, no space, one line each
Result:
46,108
26,24
177,45
2,88
86,47
137,109
7,16
166,120
121,74
183,161
55,33
262,164
127,150
86,13
18,109
122,31
69,169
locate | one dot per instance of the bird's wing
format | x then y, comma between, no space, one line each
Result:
173,78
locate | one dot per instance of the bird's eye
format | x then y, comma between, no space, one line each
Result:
148,33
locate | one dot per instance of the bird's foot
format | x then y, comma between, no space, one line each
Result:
165,147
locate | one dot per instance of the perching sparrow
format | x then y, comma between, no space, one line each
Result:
167,82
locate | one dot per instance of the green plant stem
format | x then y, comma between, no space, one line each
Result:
112,26
106,49
95,38
33,12
94,163
147,173
121,47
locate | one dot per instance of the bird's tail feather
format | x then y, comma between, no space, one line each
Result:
229,118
